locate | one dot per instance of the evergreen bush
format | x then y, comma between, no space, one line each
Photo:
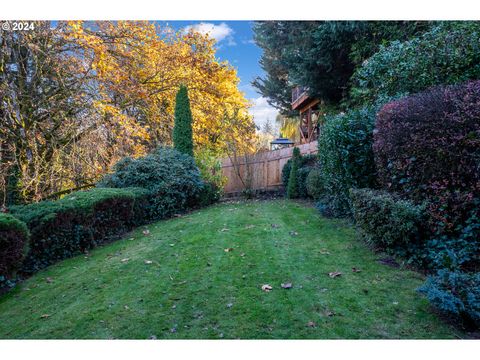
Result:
182,131
292,188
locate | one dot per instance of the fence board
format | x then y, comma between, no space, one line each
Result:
266,168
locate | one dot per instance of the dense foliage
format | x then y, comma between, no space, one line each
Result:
292,186
346,158
182,130
305,164
427,146
111,84
210,167
313,183
13,246
320,55
456,294
386,221
447,54
79,222
172,178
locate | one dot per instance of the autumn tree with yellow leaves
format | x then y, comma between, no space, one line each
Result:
113,86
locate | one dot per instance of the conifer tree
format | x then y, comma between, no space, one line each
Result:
182,131
292,187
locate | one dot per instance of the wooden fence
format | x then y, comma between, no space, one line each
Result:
265,167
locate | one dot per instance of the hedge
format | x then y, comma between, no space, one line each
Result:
346,158
386,221
78,222
13,246
427,146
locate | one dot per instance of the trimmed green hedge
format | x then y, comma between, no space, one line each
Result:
386,221
13,246
79,222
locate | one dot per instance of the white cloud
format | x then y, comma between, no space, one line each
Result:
261,111
249,41
218,32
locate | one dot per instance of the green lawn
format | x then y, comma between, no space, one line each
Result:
177,281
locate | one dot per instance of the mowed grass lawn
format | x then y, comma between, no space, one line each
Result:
200,276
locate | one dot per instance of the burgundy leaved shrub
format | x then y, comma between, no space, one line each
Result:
427,147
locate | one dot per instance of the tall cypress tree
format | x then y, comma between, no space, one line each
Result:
182,131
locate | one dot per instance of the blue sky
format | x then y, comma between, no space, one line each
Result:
235,44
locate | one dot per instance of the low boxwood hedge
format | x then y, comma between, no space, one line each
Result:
78,222
387,222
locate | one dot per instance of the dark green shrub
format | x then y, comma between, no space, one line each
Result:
302,175
456,294
458,253
314,183
292,187
172,178
182,131
447,54
308,160
78,222
306,163
386,221
13,246
346,159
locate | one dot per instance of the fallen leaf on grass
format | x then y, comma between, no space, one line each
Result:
49,280
44,316
126,307
228,250
354,269
287,285
146,232
125,260
334,274
329,313
266,288
324,252
311,324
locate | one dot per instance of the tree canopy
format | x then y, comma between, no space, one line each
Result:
108,83
320,55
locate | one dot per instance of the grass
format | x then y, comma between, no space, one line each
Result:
193,288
